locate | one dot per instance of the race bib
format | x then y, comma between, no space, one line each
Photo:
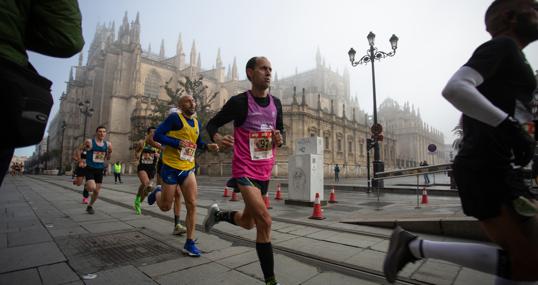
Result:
147,158
99,156
187,151
261,145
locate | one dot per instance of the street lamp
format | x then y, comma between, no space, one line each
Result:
87,112
62,126
373,54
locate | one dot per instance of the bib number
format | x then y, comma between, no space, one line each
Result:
99,156
261,145
187,152
147,158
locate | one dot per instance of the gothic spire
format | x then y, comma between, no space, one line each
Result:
219,60
193,54
161,51
234,70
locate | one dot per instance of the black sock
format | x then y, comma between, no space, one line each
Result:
85,192
176,220
227,216
265,255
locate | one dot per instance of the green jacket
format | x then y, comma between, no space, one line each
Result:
49,27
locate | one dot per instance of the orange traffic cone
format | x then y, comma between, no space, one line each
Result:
266,201
424,199
234,197
278,195
332,197
226,194
316,214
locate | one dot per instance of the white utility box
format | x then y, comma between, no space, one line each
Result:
305,178
310,145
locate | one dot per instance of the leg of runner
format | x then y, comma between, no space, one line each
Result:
178,227
189,190
144,182
91,187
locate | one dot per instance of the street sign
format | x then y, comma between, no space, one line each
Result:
376,129
432,147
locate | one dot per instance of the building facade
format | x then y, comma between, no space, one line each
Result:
121,82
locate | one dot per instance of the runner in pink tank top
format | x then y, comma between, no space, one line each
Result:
258,129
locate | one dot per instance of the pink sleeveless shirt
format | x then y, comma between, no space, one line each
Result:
254,150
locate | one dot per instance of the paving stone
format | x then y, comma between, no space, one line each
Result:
105,226
227,252
120,276
22,257
469,276
170,266
27,237
334,278
77,230
324,249
58,273
207,274
240,259
287,270
29,276
368,259
435,272
3,241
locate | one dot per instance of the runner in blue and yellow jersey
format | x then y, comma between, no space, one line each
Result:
180,134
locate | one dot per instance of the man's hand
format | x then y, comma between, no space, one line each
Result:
521,142
213,147
277,138
225,141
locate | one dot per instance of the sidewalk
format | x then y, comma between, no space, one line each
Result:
47,238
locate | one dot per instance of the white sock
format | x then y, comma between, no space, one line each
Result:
502,281
471,255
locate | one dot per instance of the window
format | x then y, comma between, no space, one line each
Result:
349,147
339,144
326,142
152,85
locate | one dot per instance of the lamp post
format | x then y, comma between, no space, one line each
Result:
62,126
87,112
373,54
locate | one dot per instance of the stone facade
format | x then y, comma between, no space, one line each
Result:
122,81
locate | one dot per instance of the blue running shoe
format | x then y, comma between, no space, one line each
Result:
153,195
191,249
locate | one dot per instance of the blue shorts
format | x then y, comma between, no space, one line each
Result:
173,176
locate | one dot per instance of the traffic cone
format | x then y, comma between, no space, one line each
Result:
266,201
278,195
424,199
316,214
226,194
234,197
332,197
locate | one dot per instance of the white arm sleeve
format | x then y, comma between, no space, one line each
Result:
461,92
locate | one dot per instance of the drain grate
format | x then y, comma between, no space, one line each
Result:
90,253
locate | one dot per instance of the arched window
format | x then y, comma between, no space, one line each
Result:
152,85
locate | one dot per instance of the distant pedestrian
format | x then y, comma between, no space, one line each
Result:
336,173
117,172
487,90
426,176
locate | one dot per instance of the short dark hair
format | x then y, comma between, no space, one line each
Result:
149,129
251,63
100,127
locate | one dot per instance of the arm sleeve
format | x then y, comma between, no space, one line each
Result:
279,116
55,28
462,93
172,122
232,110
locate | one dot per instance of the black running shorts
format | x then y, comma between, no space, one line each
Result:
148,168
80,171
94,174
484,189
244,181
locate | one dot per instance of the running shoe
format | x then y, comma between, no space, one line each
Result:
190,249
153,195
211,218
137,207
179,229
398,254
84,200
272,281
524,207
90,210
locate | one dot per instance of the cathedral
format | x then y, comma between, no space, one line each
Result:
120,82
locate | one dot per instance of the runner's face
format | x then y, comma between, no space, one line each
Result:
261,74
526,26
187,105
101,134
